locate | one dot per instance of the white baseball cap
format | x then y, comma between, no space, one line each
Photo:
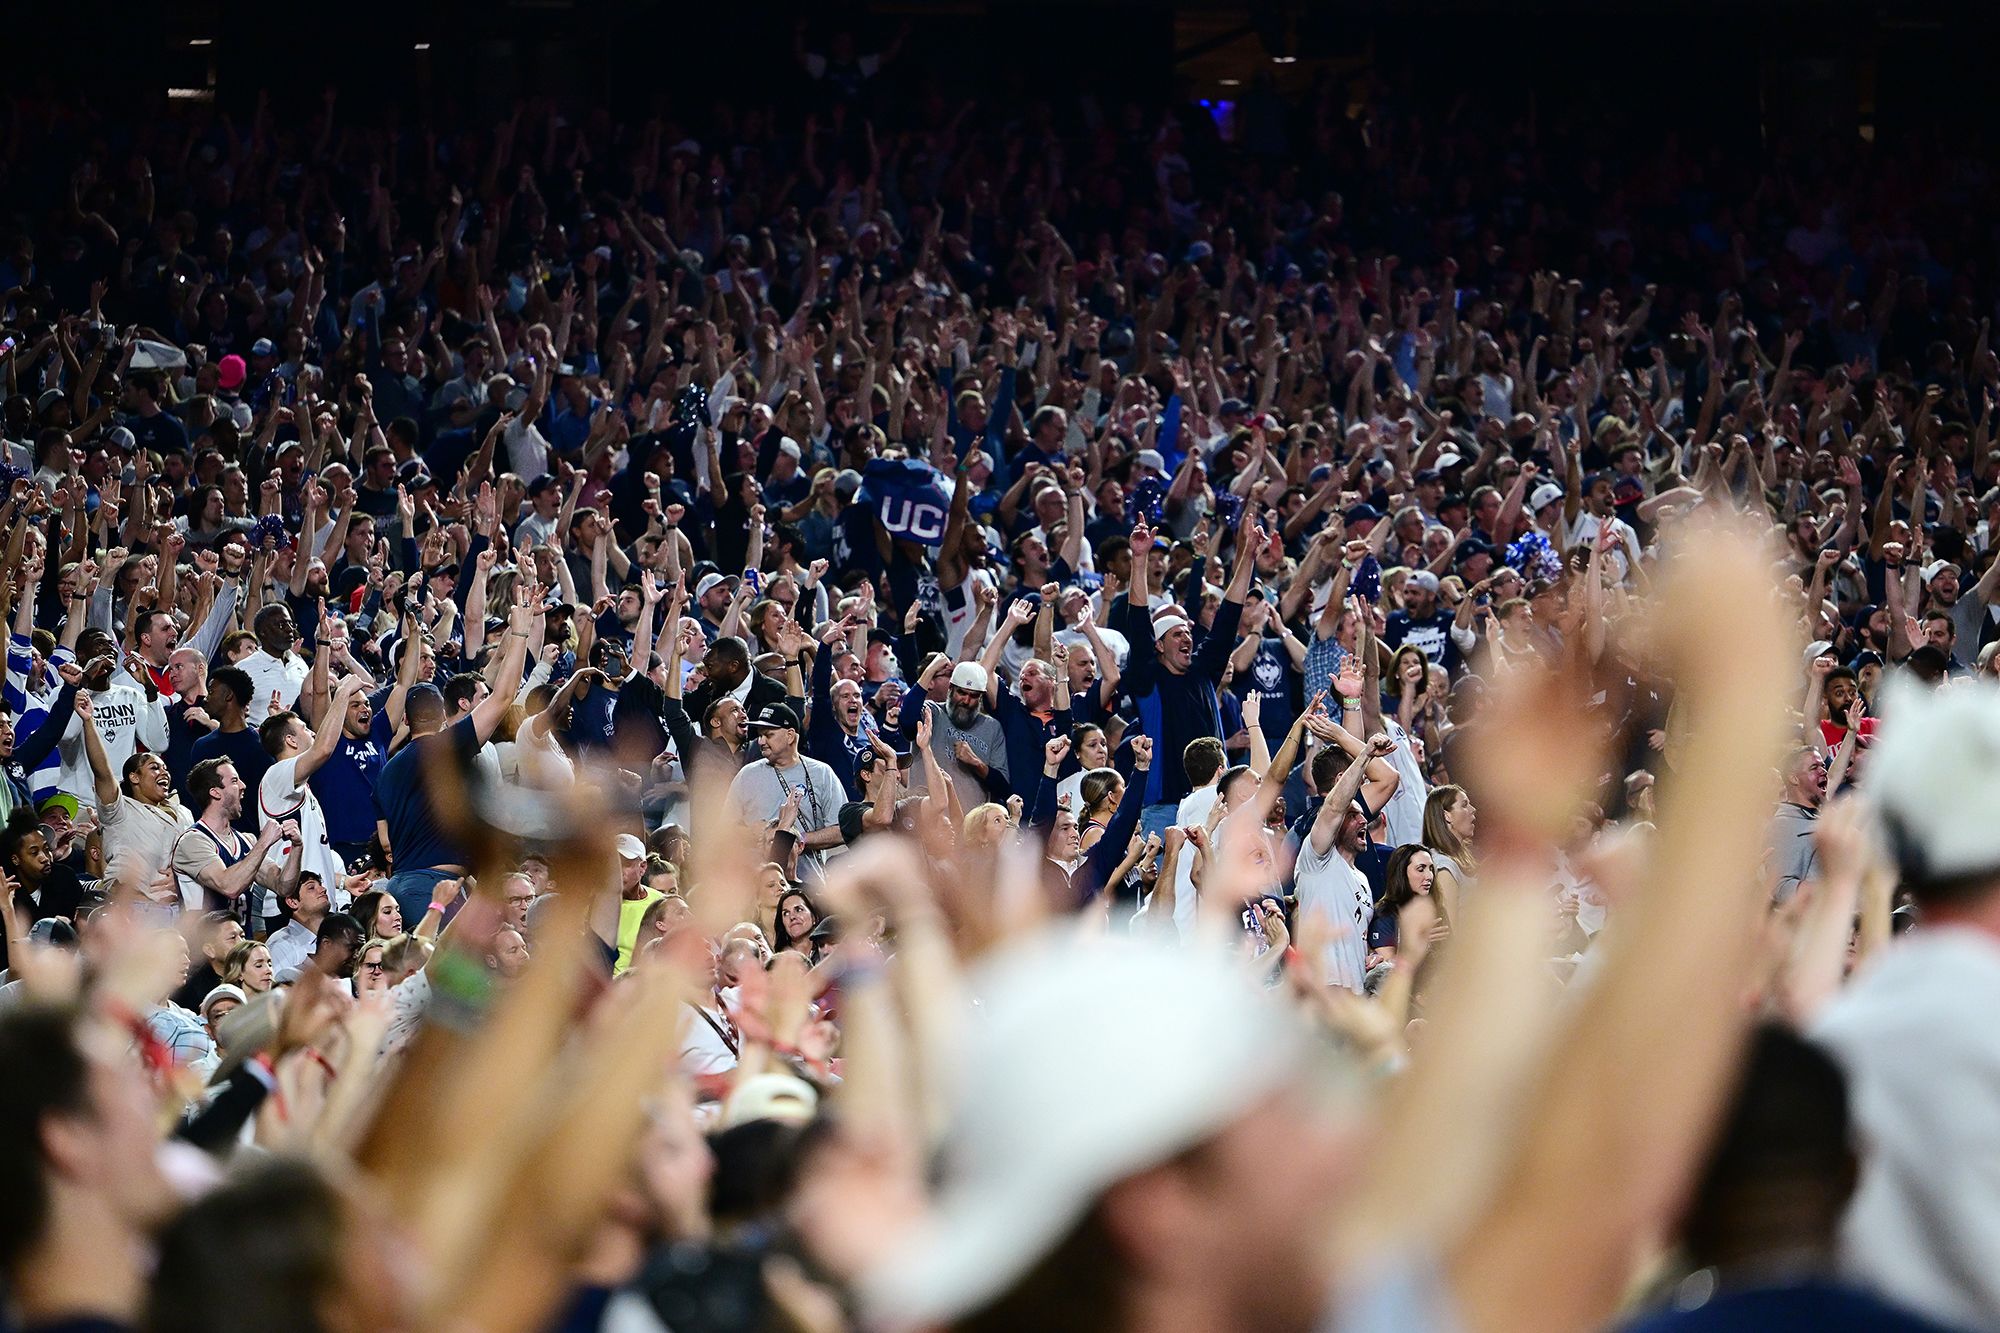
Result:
630,848
1935,568
1545,494
969,676
1151,458
786,1098
1088,1061
1935,778
1166,625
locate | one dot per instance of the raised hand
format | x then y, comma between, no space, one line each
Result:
1347,682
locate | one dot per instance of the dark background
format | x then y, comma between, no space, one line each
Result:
1735,69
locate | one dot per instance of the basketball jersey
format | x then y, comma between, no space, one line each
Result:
961,608
246,906
280,796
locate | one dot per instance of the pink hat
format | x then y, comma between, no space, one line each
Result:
229,373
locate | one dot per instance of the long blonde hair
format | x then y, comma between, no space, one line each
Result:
1437,832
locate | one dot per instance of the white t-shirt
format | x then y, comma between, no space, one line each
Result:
268,675
280,796
1193,812
703,1051
1622,556
1404,811
1922,1054
527,449
125,719
1339,894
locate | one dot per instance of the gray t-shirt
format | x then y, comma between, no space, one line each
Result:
987,739
1794,849
758,790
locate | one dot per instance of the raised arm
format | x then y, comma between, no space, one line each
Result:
104,781
1609,1139
486,714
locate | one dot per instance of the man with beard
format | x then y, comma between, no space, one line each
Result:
726,673
1946,595
227,708
970,746
345,783
1328,883
1792,841
1422,623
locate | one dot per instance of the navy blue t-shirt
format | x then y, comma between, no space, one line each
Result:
1277,681
1815,1304
1432,634
416,839
345,783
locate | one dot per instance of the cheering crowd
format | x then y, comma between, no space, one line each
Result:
894,716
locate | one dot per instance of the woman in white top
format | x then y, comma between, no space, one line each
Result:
1092,750
1450,820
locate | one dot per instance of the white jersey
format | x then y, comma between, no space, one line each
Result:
1339,895
1404,811
961,607
281,796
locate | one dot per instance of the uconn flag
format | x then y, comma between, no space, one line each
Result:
909,497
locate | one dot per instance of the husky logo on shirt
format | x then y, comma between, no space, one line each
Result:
1429,637
1267,673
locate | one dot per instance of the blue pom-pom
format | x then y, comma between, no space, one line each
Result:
271,527
1146,502
1535,558
1367,581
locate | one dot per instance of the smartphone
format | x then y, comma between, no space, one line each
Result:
750,577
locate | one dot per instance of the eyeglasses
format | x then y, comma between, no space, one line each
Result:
373,965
